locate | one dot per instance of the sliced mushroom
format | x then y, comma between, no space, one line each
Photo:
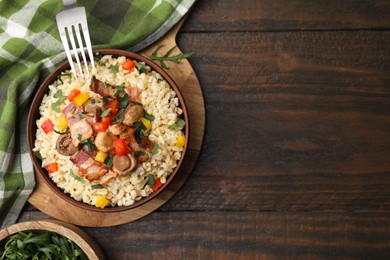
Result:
133,113
124,164
104,141
65,146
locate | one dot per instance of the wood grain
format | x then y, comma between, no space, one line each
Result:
281,15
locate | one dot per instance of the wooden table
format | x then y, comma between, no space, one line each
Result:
296,155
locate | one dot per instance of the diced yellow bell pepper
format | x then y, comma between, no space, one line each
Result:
146,123
101,156
101,201
80,99
180,141
62,123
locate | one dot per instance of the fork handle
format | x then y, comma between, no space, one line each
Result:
68,3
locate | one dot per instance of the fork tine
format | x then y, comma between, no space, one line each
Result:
74,49
88,42
67,50
81,46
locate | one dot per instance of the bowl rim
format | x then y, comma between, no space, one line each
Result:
33,115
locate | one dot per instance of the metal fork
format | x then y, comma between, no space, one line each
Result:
73,20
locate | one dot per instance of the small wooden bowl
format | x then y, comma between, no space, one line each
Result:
78,236
34,115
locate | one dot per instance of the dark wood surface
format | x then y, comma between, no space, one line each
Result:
296,156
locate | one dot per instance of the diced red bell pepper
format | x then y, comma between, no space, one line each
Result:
73,94
103,125
52,167
157,184
120,147
114,105
128,65
47,126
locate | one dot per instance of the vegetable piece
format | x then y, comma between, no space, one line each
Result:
75,92
97,186
101,156
101,202
60,98
148,116
113,104
157,184
103,125
179,123
76,177
47,126
146,123
128,65
180,141
114,69
120,147
154,150
62,123
80,99
52,167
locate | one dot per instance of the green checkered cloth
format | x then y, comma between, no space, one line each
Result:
30,48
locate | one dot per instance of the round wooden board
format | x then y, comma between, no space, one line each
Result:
46,201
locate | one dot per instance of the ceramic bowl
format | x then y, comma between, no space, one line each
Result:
34,115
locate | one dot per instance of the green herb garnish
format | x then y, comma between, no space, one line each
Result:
138,153
105,112
59,77
97,186
177,58
114,68
60,98
105,85
108,162
154,151
38,155
89,143
179,123
140,67
148,116
76,177
62,133
151,179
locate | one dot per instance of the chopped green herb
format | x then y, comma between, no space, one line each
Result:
114,68
97,186
59,77
60,98
177,58
73,110
76,177
62,133
108,162
38,155
105,112
90,144
138,137
81,114
124,101
179,123
139,124
148,116
151,179
138,153
94,80
105,85
119,120
154,150
119,90
136,103
105,100
140,67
